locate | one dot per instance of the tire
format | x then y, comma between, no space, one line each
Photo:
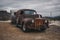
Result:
24,28
17,25
42,29
13,20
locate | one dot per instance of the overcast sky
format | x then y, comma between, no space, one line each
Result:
44,7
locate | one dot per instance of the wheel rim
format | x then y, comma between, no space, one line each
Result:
24,29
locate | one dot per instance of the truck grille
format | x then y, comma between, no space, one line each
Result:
39,22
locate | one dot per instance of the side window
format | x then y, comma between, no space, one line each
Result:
22,12
40,16
14,13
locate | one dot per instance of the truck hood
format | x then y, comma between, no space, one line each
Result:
28,19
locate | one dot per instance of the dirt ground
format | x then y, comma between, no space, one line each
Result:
11,32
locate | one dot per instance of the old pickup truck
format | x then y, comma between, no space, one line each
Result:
29,19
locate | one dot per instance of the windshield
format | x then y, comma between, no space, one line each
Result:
29,12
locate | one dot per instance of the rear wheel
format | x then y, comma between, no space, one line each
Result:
17,24
13,20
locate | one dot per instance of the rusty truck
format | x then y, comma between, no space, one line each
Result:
29,19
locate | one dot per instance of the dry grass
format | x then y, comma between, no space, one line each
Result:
11,32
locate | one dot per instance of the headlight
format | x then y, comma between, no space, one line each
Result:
45,21
32,21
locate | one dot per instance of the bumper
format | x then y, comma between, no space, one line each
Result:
45,26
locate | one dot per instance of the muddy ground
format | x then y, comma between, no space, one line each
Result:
11,32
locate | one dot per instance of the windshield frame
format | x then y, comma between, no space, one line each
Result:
32,12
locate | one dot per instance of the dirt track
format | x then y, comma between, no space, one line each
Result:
11,32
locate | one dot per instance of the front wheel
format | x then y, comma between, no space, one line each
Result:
42,29
24,28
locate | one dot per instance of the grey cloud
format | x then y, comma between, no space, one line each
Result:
43,7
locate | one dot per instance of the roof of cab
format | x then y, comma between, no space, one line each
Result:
26,9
